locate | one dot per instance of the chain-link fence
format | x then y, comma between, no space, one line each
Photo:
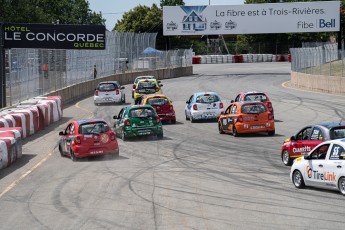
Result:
34,72
318,59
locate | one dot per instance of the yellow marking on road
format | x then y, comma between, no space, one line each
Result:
92,114
14,183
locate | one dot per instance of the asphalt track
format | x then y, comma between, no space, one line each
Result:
195,178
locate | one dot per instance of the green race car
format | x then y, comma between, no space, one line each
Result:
138,120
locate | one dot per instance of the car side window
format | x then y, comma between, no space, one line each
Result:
238,97
70,129
233,109
337,152
316,134
304,134
190,99
121,114
227,111
320,153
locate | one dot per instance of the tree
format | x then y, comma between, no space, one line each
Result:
171,3
49,11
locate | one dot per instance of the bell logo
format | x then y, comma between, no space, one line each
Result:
327,24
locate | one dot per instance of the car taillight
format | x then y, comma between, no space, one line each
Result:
221,105
112,136
137,90
157,89
133,86
77,140
117,91
240,118
269,105
96,92
195,107
127,123
158,120
270,117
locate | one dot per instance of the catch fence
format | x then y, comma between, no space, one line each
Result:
34,72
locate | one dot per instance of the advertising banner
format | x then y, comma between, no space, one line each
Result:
292,17
52,36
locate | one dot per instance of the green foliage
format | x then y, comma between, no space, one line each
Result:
49,11
171,3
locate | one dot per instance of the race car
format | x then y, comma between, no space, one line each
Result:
246,117
87,138
138,120
146,86
203,106
309,137
323,166
140,78
163,106
255,96
109,92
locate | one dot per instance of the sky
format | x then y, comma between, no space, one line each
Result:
112,10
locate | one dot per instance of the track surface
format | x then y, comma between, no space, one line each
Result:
194,178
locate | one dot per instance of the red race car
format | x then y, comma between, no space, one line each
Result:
255,96
86,138
309,137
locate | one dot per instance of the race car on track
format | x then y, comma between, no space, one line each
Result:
246,117
138,120
140,78
87,138
255,96
146,86
163,106
203,106
322,167
309,137
109,92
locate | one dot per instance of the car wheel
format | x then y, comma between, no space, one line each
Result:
221,131
160,136
123,136
234,131
286,158
187,118
123,100
271,133
341,185
191,119
116,154
173,121
60,150
297,179
73,157
95,103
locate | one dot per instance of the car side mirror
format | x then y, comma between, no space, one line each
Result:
122,87
222,113
293,138
160,85
61,133
158,82
115,117
133,86
232,101
187,102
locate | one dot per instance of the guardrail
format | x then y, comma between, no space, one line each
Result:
240,58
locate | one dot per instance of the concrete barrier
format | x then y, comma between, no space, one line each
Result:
84,89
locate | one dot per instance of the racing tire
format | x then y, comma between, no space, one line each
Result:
341,185
173,121
160,136
123,100
60,151
73,157
96,104
116,154
123,136
221,131
297,179
187,118
286,158
234,131
271,133
191,119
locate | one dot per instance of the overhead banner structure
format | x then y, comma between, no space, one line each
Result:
292,17
54,36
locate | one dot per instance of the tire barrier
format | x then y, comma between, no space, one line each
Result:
240,58
25,120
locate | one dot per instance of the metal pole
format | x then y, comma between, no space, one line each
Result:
2,70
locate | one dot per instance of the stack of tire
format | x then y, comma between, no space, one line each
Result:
24,120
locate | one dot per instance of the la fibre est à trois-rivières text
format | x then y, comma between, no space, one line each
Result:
80,40
321,23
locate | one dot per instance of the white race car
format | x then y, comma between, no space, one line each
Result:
323,166
109,92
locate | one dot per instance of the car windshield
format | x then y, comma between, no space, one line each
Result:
93,127
142,78
337,133
141,112
157,101
107,86
207,98
147,85
253,109
256,97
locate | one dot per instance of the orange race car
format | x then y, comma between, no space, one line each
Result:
246,117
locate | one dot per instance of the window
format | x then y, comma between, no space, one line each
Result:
157,101
304,134
107,87
255,97
70,129
141,112
93,127
227,111
253,108
320,153
316,134
237,98
337,133
121,114
337,152
207,98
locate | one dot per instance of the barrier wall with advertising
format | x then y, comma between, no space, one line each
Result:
252,18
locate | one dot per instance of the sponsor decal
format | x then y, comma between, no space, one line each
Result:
314,174
301,150
104,138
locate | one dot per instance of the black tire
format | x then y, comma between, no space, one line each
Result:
117,154
341,185
123,100
297,179
286,158
271,133
173,121
191,119
187,118
123,136
234,131
73,157
96,104
220,129
60,151
160,136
